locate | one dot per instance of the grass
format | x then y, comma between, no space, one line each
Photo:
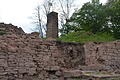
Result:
86,37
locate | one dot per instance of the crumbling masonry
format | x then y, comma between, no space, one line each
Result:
27,57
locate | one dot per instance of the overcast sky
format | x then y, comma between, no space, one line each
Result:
18,12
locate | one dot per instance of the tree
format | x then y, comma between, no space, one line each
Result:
113,9
37,20
91,17
64,7
67,7
95,17
40,16
47,7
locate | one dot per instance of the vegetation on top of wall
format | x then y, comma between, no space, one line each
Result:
86,37
2,32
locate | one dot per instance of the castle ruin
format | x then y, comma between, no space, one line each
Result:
27,57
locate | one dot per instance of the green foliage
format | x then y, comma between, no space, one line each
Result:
2,33
86,37
91,17
113,10
95,17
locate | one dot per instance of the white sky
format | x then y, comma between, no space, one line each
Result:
18,12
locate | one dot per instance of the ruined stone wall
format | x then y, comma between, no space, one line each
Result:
103,55
26,57
74,53
10,29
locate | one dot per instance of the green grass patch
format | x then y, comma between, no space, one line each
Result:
86,37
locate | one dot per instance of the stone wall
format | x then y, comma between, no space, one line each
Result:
73,52
10,29
105,55
26,57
